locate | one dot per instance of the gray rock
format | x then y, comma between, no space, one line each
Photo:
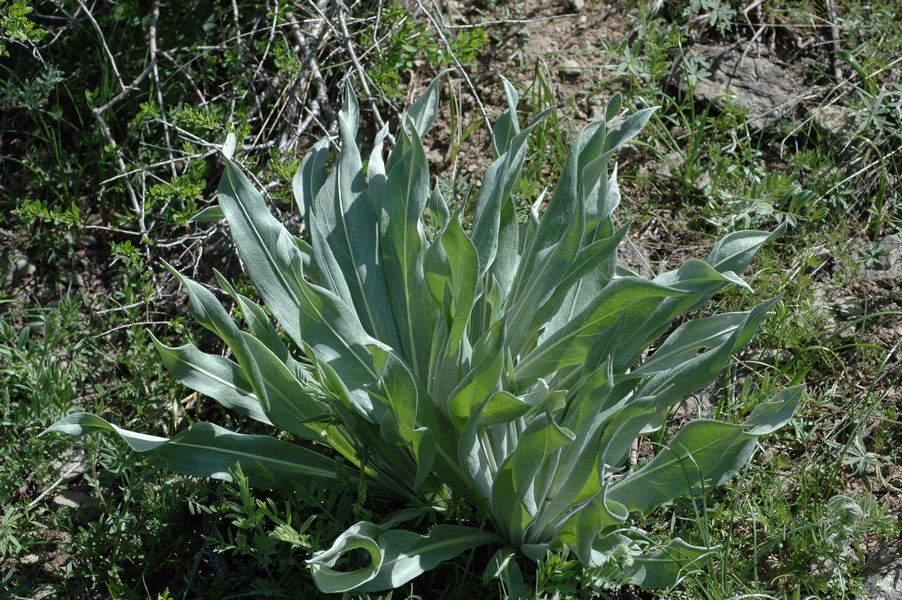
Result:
72,499
886,268
19,268
885,586
834,121
755,82
86,506
71,464
570,66
43,591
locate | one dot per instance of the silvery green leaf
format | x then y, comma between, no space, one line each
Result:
578,462
509,513
699,277
497,187
402,241
507,126
207,450
375,173
211,213
550,268
735,251
568,345
476,386
228,148
214,376
451,273
267,249
206,309
502,407
666,388
507,255
599,514
344,235
697,335
541,438
395,556
588,273
702,455
437,209
287,403
612,107
398,391
421,113
561,208
666,565
257,321
629,129
310,177
418,424
473,456
337,338
307,265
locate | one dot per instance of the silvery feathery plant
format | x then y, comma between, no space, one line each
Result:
496,362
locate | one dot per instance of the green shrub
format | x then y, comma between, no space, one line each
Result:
504,366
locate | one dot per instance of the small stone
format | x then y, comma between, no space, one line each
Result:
88,507
819,253
835,121
578,5
822,567
71,464
29,559
886,268
22,269
43,591
881,556
570,67
849,308
75,280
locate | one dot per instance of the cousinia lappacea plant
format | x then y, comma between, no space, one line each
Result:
494,362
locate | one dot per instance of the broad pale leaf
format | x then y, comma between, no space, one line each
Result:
396,556
338,339
267,249
310,177
667,565
207,450
735,251
568,346
214,376
402,245
344,235
702,456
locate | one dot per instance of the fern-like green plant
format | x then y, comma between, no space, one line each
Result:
499,363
